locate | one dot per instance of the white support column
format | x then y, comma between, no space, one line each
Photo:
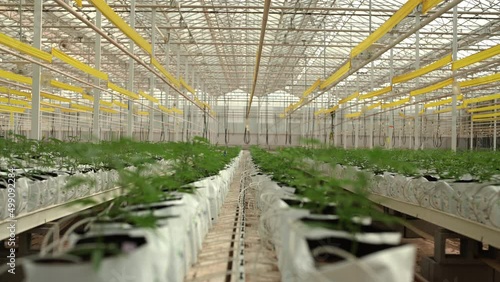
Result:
37,73
167,89
495,131
336,130
97,93
370,139
344,126
358,120
130,83
152,78
176,125
456,89
390,125
417,82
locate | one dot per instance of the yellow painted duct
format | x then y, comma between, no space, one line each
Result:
54,97
52,105
108,110
447,110
336,76
396,103
349,98
395,19
480,80
429,4
88,97
148,97
482,99
416,73
372,106
11,109
485,119
24,48
326,111
106,103
353,115
484,109
143,113
47,110
177,111
71,111
313,87
376,93
123,91
186,86
79,3
14,101
65,86
165,73
15,92
165,109
120,104
442,102
431,88
486,115
113,17
15,77
81,107
79,65
478,57
421,112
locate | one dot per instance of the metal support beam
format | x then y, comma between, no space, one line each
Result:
130,84
390,125
176,104
97,92
417,82
455,87
152,77
37,74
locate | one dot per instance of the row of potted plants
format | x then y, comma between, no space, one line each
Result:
152,232
321,231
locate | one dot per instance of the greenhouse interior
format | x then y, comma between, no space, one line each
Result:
244,140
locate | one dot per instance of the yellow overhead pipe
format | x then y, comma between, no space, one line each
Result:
15,77
372,106
485,119
424,70
478,57
336,75
148,97
81,107
187,86
143,113
428,5
65,86
395,103
267,6
376,93
486,115
442,102
24,48
395,19
123,91
15,92
353,115
482,99
165,109
311,88
14,101
165,73
12,109
480,80
120,104
431,88
79,65
54,97
484,109
114,18
349,98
